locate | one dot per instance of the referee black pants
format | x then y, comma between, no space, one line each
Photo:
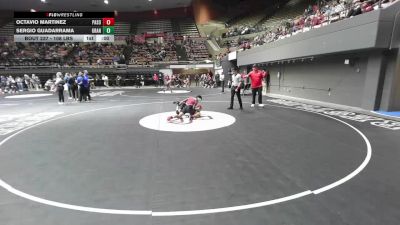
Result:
237,93
254,93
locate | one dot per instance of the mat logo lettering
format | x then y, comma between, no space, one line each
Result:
106,93
14,122
374,121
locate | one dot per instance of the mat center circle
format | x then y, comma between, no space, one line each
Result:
28,96
174,92
208,121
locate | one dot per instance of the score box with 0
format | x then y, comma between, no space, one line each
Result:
108,30
98,38
102,30
108,21
103,22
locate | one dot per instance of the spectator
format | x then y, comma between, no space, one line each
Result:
12,85
256,77
20,84
105,80
118,80
49,85
79,82
59,85
74,87
36,81
27,81
222,80
197,79
86,83
155,79
68,81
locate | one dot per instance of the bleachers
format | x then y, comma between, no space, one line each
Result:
196,49
147,53
7,30
122,28
265,19
37,54
102,54
249,21
153,26
188,28
298,17
292,9
91,53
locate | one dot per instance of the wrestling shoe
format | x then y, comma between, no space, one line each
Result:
261,105
252,106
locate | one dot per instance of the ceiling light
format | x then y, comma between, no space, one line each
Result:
150,0
32,10
106,2
44,1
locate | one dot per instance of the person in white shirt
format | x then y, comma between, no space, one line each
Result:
222,79
105,79
99,62
235,89
59,85
203,79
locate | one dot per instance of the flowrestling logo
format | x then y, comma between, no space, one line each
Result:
375,121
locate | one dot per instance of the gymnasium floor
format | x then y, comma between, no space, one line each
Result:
107,162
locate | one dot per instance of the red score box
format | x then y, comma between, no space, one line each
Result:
108,21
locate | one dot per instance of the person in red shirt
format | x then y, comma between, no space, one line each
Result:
155,79
256,76
210,73
188,105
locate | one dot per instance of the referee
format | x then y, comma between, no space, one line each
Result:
235,89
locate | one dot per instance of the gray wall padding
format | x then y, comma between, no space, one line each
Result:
318,76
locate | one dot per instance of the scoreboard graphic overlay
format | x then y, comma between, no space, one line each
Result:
64,26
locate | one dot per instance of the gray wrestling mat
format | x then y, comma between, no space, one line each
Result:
286,163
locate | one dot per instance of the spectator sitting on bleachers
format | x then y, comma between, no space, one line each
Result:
314,17
196,50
